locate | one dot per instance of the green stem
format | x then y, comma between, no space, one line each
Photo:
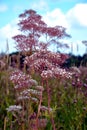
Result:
48,92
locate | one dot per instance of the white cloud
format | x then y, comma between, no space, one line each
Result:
7,32
77,15
56,17
3,8
73,18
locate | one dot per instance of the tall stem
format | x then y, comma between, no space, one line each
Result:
23,125
5,123
38,113
48,93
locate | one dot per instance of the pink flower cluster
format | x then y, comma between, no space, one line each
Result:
56,73
48,64
14,108
21,80
25,43
47,74
27,87
52,57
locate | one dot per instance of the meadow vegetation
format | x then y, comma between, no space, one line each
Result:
40,93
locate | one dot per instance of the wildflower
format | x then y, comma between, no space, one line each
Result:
73,84
85,85
47,74
35,92
31,91
58,72
33,82
23,98
21,80
18,76
44,108
14,108
41,64
40,88
34,99
44,60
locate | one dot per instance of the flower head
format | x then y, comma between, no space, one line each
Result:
14,108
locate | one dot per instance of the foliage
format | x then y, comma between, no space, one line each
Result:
45,96
6,95
75,61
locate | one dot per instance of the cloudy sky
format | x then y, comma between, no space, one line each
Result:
71,14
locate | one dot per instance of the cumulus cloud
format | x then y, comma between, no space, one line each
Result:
7,32
77,15
74,20
56,17
10,29
3,8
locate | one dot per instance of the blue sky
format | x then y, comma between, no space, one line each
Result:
71,14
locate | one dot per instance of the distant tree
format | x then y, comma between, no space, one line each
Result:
33,30
75,61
